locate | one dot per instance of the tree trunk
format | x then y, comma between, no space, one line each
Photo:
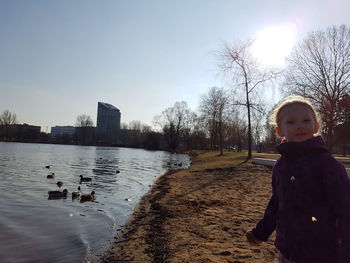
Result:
249,127
220,135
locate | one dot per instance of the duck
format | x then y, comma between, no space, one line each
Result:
87,197
84,179
58,194
50,176
76,193
47,166
59,183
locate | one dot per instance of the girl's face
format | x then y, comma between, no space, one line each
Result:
296,123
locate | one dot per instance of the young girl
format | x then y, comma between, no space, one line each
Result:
310,203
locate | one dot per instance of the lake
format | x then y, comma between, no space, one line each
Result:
36,229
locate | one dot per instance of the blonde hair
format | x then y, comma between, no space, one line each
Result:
274,118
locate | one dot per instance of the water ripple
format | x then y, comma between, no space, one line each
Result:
36,229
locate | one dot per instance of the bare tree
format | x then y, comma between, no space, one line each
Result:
135,133
175,122
8,118
236,131
319,69
237,62
258,128
84,130
198,138
213,107
343,125
124,126
7,121
146,128
84,121
135,125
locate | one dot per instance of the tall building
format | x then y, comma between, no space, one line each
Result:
108,123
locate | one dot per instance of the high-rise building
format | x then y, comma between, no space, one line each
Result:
108,123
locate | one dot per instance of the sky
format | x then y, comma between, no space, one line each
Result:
58,58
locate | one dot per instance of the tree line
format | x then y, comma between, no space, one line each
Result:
235,117
318,69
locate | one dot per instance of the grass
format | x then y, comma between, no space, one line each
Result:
273,156
212,159
202,160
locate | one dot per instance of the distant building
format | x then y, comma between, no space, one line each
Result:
27,133
29,128
59,131
108,123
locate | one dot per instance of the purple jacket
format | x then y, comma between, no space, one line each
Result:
310,205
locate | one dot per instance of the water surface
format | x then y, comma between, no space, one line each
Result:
35,229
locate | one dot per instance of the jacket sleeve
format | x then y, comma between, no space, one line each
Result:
337,184
267,224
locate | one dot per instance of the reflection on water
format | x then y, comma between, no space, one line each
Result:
35,229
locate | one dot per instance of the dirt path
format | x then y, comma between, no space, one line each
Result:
199,216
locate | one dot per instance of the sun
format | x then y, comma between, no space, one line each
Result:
272,44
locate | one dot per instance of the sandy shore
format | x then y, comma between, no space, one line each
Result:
198,216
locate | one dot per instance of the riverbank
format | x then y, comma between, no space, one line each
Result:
199,214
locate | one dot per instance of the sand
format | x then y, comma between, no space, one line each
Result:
198,216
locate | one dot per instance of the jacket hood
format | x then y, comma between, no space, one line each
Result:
315,144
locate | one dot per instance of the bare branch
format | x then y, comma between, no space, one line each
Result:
319,69
237,62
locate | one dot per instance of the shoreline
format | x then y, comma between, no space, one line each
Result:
198,215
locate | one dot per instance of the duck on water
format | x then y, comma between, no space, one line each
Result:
58,194
50,176
84,179
87,197
76,193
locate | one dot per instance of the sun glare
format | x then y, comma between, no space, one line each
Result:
273,44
